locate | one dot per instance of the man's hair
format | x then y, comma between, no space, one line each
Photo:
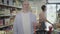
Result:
43,7
24,2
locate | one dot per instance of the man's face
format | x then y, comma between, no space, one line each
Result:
25,5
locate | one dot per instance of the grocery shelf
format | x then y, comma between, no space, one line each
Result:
6,32
10,6
6,15
5,25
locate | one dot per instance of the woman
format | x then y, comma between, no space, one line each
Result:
42,20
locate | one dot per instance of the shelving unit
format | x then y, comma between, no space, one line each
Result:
8,11
10,6
6,25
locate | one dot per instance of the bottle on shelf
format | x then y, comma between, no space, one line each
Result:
10,2
2,32
12,20
6,12
13,11
14,2
7,21
9,30
0,1
19,3
5,2
1,11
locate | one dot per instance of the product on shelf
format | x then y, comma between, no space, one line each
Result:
58,15
5,2
10,2
7,21
7,12
1,11
59,20
14,2
57,25
9,32
13,12
12,20
11,27
2,32
17,3
1,22
0,1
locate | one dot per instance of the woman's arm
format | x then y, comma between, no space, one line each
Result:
49,22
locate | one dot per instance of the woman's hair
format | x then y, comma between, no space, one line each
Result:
43,7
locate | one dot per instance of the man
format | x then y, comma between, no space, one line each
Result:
25,21
42,20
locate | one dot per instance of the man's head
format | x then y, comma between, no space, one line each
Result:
43,7
25,5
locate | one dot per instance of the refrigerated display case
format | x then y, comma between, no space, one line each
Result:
53,14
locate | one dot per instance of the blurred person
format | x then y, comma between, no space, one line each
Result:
43,20
25,21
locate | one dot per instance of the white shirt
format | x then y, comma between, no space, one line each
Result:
26,23
19,22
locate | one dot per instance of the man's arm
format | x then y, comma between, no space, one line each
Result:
34,23
15,26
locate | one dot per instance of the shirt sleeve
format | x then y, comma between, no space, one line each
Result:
34,19
15,26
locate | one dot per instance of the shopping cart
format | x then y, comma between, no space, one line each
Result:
38,31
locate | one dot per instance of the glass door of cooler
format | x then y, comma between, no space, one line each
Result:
51,13
58,12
